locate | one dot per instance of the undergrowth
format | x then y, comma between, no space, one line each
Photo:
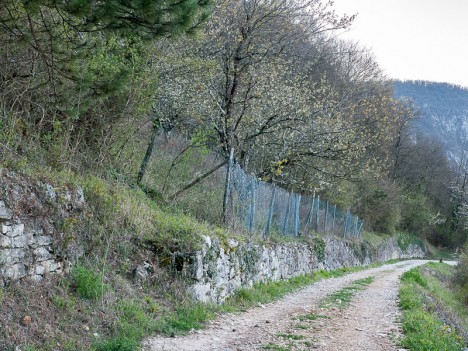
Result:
427,305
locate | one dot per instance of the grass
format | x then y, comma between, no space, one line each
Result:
88,283
424,298
342,297
301,326
311,317
290,336
275,347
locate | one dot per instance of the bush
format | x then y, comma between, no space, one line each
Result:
117,344
88,283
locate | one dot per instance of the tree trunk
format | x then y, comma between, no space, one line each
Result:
197,180
149,152
227,186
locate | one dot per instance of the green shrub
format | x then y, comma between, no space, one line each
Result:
187,317
88,283
120,343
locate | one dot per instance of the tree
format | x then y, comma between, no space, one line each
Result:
253,42
70,69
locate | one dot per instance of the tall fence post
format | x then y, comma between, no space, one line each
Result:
317,215
227,186
286,216
252,205
360,227
334,217
346,224
326,218
356,220
311,211
296,215
270,212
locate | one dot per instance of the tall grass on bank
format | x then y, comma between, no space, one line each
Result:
421,295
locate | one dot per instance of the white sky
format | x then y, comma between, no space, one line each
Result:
413,39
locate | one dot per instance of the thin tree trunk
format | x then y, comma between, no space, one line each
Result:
149,152
197,180
227,186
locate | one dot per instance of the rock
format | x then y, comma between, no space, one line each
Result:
16,230
50,192
26,320
42,254
37,278
40,270
5,242
141,273
42,240
5,213
14,271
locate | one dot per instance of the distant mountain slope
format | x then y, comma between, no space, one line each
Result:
444,110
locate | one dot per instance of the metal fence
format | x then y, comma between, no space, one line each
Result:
263,208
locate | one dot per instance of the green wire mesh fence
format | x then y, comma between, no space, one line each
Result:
264,208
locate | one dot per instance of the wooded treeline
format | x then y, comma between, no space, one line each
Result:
88,86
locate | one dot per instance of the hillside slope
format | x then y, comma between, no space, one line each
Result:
443,111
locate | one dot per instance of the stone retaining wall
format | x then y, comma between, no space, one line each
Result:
32,219
222,267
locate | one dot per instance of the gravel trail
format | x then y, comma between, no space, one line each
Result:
370,322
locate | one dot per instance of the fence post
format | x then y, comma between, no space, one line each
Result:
252,205
227,186
346,223
311,210
326,219
360,227
270,212
317,214
356,226
286,216
296,215
334,217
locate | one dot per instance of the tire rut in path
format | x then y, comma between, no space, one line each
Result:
367,324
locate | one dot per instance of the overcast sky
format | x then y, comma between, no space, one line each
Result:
413,39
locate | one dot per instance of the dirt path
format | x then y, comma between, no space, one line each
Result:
300,322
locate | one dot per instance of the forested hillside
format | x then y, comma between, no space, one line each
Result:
443,110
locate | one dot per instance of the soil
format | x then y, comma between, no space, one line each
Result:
369,322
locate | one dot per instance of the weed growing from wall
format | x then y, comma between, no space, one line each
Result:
318,245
